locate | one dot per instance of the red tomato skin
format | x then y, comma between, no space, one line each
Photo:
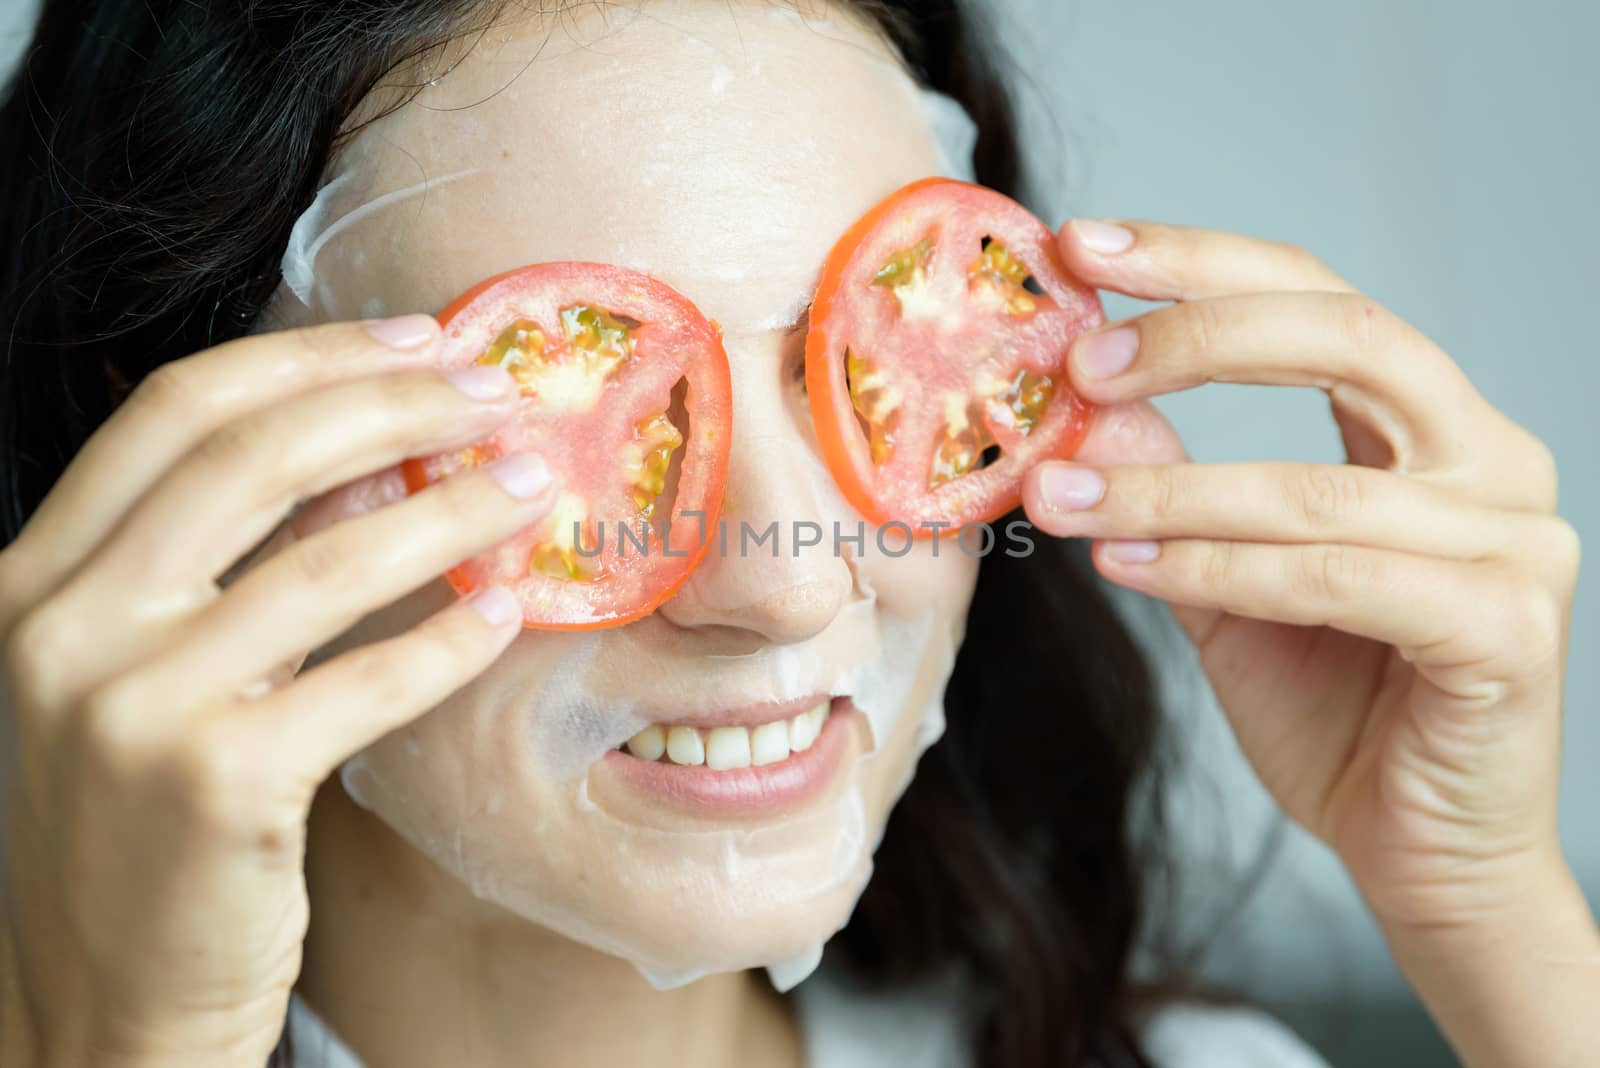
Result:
833,415
718,406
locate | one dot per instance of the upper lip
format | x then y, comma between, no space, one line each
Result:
750,715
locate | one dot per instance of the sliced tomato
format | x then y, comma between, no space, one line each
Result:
936,358
626,393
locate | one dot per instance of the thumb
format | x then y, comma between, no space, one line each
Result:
1131,433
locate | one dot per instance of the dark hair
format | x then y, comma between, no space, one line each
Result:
156,157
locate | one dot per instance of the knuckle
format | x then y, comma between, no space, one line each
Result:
37,649
317,344
1326,495
321,432
111,728
373,674
173,386
206,774
1337,572
1203,326
313,437
1299,256
213,778
1309,269
1165,493
225,781
1569,550
1533,619
1218,561
236,445
322,561
324,345
1560,551
1541,471
406,403
451,643
1364,322
381,681
388,674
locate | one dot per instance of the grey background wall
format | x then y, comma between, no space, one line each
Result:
1442,157
15,16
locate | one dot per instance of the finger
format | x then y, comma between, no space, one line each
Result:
237,483
1132,433
1136,433
316,589
357,497
178,405
1368,361
340,707
1471,627
1154,261
1289,503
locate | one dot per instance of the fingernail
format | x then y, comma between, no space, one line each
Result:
484,382
1103,237
1070,488
1107,353
1133,552
496,604
405,331
524,475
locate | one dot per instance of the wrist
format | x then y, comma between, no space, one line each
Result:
1515,906
109,1040
1514,981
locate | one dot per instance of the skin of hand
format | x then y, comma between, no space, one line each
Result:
166,752
1387,637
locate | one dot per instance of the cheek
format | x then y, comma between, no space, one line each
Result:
889,769
936,578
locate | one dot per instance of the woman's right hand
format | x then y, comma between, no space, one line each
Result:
164,751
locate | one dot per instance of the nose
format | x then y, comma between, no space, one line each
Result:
759,575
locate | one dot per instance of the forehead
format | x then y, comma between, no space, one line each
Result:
720,146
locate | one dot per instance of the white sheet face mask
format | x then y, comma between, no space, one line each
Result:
721,148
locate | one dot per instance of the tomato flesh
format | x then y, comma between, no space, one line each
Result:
936,358
625,392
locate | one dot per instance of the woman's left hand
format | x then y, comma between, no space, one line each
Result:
1387,636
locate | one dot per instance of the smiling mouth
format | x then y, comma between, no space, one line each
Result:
747,763
728,747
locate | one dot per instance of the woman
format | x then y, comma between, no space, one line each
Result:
1387,637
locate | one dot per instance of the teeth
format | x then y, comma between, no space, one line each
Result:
648,744
802,732
727,748
685,747
769,743
805,727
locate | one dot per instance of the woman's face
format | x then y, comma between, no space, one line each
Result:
722,148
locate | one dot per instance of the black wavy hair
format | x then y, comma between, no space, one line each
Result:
155,156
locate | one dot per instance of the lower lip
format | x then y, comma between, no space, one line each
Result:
742,792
